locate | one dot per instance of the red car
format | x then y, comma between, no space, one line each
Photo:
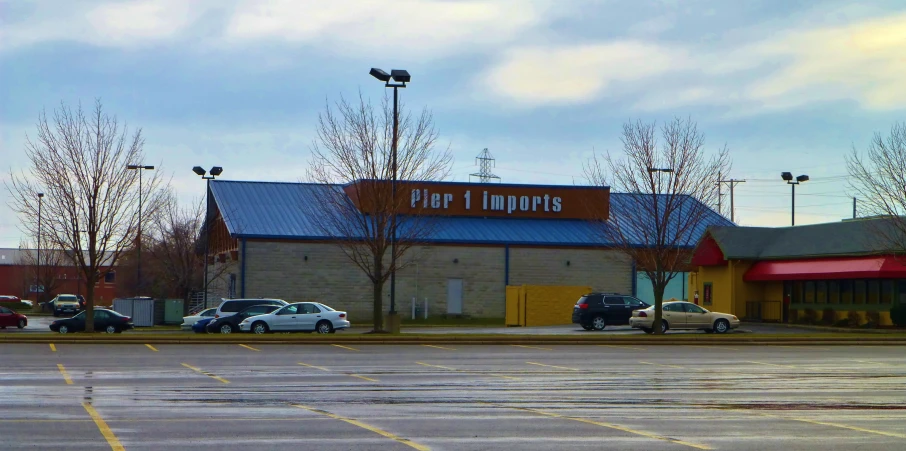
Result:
9,318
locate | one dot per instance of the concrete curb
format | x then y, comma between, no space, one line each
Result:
847,330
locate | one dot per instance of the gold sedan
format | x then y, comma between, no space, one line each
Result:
684,315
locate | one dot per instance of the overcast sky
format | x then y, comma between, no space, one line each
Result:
787,85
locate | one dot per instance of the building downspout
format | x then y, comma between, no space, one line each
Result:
635,278
242,270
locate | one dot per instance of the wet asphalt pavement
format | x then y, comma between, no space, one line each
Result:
380,397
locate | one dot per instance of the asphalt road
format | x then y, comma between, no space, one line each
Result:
281,397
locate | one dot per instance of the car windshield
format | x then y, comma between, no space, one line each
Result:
80,315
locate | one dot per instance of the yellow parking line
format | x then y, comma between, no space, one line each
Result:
364,378
770,364
874,363
613,426
199,371
532,347
553,366
52,347
467,372
249,347
114,442
312,366
151,347
346,347
64,373
440,347
837,425
624,347
380,432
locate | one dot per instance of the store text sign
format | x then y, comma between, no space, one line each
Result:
498,200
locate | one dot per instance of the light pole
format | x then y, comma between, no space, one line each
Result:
140,169
788,177
38,271
401,77
215,171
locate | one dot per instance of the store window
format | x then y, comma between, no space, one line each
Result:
901,291
833,291
887,292
874,291
796,294
809,294
846,291
859,290
821,292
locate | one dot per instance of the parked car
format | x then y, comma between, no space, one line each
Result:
9,299
200,326
188,321
684,315
230,324
298,317
597,310
63,307
104,321
9,318
232,306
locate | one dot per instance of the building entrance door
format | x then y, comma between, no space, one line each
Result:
454,296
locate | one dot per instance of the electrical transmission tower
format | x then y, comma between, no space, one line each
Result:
485,162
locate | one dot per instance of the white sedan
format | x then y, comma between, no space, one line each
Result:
298,317
188,321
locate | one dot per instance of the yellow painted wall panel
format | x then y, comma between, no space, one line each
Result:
551,305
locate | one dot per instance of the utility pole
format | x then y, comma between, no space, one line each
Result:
732,183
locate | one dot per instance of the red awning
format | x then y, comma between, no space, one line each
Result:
883,267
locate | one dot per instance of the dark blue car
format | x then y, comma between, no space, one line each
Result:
199,326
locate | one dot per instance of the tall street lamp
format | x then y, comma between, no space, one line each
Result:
38,271
140,169
215,171
401,77
788,177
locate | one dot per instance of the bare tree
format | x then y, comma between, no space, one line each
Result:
878,179
669,181
46,274
354,144
79,160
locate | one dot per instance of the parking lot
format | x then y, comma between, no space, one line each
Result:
381,397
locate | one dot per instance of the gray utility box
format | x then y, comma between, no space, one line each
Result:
141,310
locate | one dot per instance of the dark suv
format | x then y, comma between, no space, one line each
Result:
596,310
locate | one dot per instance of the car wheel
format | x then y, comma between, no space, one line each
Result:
259,327
64,329
721,326
664,327
598,323
110,329
21,324
226,329
648,330
324,327
587,327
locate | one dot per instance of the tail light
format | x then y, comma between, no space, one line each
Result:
642,314
126,319
216,316
342,315
583,306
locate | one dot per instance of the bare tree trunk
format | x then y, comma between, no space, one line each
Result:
658,289
378,299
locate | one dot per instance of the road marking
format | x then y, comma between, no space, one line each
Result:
668,366
380,432
64,373
249,347
532,347
874,363
151,347
712,347
838,425
312,366
624,347
440,347
770,364
467,372
553,366
364,378
346,347
114,442
613,426
197,370
52,348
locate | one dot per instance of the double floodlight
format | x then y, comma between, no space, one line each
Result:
788,177
138,166
215,171
398,75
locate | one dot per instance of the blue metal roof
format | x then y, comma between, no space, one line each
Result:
273,210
